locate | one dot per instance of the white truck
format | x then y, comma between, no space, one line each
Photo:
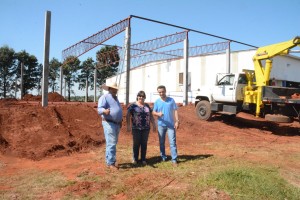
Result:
250,91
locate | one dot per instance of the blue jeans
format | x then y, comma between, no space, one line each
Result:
162,130
111,133
140,140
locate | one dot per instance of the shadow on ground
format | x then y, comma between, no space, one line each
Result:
157,159
280,129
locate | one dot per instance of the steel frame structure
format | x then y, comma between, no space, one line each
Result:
91,42
138,50
178,54
146,47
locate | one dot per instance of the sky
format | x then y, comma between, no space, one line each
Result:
254,22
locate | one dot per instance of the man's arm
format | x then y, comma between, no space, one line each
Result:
102,105
158,114
176,119
176,116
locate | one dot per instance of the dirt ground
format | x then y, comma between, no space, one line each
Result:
52,138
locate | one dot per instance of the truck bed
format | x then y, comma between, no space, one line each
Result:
281,94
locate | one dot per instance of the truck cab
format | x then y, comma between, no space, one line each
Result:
225,97
229,87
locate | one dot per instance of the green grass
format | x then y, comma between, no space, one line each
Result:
248,182
195,175
32,184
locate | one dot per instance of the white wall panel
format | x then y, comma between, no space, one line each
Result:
203,73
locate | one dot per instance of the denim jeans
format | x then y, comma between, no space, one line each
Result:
140,140
111,133
162,130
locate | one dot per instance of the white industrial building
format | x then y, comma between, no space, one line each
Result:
202,74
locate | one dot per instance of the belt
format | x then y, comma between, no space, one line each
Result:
108,120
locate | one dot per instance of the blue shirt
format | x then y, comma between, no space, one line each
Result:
108,101
167,107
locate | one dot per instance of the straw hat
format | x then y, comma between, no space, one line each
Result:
110,85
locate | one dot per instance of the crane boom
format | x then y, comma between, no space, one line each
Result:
262,72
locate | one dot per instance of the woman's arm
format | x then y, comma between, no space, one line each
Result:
153,122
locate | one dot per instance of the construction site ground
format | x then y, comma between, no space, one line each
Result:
68,137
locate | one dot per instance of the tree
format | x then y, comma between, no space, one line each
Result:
86,77
7,70
108,61
32,71
70,69
54,67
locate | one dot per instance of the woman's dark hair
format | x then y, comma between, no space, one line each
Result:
141,94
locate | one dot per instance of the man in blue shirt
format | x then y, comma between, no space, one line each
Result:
111,112
165,109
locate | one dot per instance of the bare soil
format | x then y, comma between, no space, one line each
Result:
64,133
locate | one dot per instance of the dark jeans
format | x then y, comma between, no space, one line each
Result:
140,139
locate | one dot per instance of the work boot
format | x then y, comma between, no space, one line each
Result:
174,164
113,167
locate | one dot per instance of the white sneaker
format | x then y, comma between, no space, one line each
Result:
134,162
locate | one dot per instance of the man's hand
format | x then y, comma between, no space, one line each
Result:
160,114
106,111
176,126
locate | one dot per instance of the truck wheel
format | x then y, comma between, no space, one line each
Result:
278,118
203,110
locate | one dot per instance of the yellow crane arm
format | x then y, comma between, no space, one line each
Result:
262,73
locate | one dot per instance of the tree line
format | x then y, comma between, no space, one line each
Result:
74,71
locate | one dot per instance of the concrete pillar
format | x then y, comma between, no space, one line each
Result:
127,61
61,80
46,59
186,71
65,88
228,58
22,80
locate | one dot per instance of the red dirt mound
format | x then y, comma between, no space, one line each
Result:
52,97
31,131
